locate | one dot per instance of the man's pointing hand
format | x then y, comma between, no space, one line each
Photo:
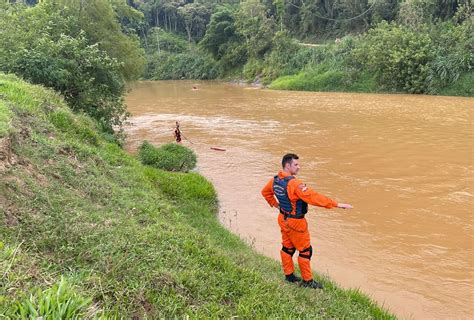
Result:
344,206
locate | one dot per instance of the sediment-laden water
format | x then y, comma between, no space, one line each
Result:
404,161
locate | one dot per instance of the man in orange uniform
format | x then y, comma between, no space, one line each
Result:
292,197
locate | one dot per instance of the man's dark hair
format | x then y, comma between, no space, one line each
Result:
287,158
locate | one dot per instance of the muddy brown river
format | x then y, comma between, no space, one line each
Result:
404,161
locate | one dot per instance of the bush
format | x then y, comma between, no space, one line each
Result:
252,69
286,57
170,157
398,55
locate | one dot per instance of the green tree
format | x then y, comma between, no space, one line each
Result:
223,40
195,17
256,27
36,43
100,23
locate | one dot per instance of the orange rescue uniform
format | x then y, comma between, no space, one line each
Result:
294,232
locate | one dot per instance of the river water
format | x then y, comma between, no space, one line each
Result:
405,162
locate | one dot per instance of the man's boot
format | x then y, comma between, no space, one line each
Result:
292,278
312,284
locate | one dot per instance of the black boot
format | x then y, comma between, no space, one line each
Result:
312,284
292,278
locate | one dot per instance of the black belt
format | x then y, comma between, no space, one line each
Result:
292,216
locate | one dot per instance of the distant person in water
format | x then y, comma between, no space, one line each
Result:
177,133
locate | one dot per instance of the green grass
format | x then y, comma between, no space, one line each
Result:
170,156
326,77
5,117
88,231
464,86
58,302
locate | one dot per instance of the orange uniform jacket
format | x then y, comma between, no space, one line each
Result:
297,190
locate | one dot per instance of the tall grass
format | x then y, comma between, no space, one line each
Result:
464,86
326,77
5,118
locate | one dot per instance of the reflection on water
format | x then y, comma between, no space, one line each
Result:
405,162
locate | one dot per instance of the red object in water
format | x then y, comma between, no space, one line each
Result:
218,149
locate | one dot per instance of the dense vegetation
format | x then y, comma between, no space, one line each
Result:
79,50
170,156
89,232
417,46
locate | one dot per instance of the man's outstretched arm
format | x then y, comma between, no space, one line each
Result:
310,196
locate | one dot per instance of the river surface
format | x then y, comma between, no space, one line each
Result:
405,162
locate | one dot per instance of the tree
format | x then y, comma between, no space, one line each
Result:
220,32
195,17
255,26
39,45
223,40
99,21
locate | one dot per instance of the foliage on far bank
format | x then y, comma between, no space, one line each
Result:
392,58
171,57
169,157
417,60
413,46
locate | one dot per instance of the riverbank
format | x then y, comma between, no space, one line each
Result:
86,224
341,81
390,57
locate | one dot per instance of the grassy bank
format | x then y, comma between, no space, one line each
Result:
88,231
341,81
328,80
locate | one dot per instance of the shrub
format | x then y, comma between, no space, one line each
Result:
252,68
170,157
398,55
281,60
329,77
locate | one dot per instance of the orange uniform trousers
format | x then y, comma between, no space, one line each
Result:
295,235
